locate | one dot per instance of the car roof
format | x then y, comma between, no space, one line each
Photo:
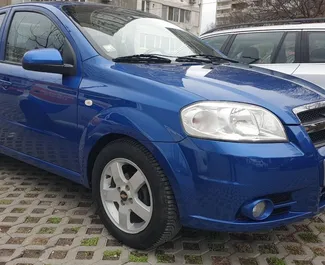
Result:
305,26
59,4
56,4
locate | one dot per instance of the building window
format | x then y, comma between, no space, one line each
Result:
164,12
187,16
176,14
182,17
170,13
145,6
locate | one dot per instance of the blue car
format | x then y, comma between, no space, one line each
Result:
163,129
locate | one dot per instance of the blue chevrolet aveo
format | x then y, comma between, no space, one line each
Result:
163,129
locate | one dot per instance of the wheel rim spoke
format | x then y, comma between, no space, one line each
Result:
141,210
137,181
111,195
124,217
126,195
117,173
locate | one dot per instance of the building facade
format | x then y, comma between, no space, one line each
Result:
9,2
184,13
225,7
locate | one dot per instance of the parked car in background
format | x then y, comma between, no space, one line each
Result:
294,47
165,130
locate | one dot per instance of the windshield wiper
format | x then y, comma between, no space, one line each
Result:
204,58
142,58
254,60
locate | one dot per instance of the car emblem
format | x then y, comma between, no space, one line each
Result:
123,196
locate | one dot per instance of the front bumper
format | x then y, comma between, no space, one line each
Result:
212,180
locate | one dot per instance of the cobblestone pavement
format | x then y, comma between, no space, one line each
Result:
45,219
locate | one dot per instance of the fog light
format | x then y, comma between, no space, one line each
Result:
258,210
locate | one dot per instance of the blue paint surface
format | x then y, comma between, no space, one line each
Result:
45,122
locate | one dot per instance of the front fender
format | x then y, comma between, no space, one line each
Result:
126,121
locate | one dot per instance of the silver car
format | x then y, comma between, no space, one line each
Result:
297,48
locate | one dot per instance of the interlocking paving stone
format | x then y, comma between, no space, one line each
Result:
46,219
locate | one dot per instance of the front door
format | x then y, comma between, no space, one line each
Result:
38,111
273,50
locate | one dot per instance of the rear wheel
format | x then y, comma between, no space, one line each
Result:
135,200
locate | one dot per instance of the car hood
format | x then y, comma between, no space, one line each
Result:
272,90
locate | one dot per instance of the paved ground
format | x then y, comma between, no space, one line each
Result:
45,219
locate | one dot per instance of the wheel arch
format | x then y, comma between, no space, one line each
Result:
150,146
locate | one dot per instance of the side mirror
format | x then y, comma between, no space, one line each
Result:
47,60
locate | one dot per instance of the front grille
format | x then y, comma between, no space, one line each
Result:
312,117
318,138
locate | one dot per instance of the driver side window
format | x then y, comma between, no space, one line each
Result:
29,31
256,47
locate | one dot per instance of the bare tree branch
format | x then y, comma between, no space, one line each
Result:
264,10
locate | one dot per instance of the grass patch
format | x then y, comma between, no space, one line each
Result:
46,230
309,237
5,202
112,254
30,219
54,220
321,228
165,258
138,257
75,229
275,261
18,210
193,259
90,241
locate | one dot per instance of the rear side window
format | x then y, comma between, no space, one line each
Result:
316,47
255,47
29,31
217,41
287,51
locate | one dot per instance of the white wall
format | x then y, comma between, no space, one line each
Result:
208,14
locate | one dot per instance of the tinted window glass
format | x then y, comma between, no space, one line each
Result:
287,52
255,47
216,42
316,47
29,31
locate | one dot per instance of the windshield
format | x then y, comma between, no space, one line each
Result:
117,32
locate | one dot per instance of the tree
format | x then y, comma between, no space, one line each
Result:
265,10
210,26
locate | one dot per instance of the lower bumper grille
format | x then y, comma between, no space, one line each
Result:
282,205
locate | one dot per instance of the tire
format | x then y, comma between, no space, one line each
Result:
155,196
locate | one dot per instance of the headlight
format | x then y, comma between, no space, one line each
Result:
231,121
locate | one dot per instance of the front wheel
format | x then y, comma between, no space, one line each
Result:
136,203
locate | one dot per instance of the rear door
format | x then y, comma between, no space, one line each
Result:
312,67
274,50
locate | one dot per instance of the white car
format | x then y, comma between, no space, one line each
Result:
297,49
